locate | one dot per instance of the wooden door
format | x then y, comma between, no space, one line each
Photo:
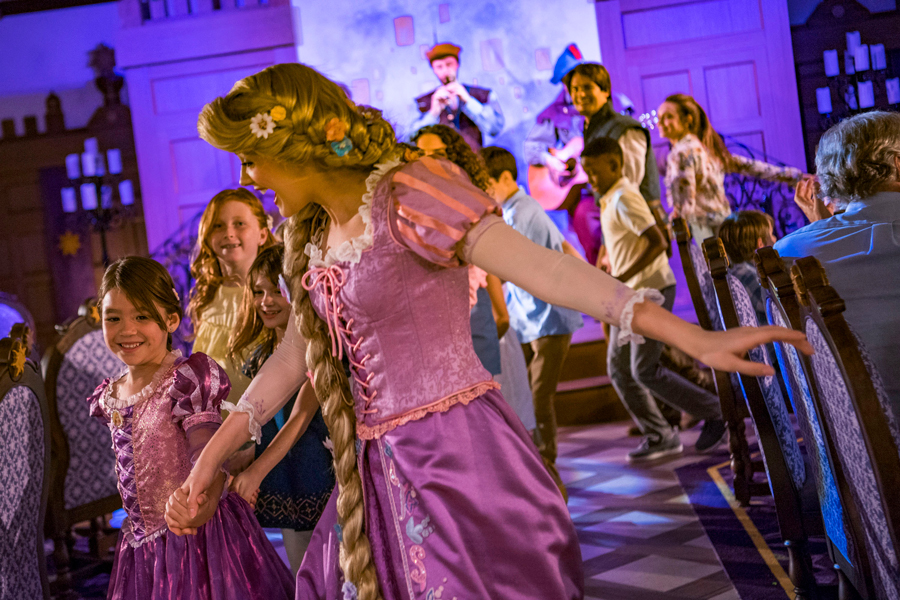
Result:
174,65
733,56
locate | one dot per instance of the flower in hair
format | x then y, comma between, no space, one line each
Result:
177,297
278,113
349,591
262,125
335,130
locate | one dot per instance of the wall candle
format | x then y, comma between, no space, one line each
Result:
832,66
879,60
823,100
114,161
88,196
89,164
893,90
69,200
90,145
854,40
126,192
866,94
850,98
73,166
849,63
861,57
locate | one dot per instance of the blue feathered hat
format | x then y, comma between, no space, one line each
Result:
568,60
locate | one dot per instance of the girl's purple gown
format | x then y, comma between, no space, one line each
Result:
458,504
156,434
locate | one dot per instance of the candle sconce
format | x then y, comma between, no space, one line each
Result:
97,195
864,80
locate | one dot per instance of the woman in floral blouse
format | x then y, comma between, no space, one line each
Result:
697,163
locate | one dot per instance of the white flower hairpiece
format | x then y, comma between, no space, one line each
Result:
262,125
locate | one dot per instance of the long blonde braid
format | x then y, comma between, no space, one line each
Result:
302,103
333,391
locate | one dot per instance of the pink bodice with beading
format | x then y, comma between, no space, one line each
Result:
400,314
155,434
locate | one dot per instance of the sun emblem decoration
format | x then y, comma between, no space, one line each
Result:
17,357
94,314
69,243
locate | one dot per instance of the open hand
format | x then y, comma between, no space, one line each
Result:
727,350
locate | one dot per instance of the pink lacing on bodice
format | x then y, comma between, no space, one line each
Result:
372,432
328,281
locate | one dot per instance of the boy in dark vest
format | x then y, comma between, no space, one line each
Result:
471,110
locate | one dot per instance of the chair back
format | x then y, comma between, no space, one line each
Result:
12,313
83,480
696,273
840,514
24,466
697,276
859,414
777,441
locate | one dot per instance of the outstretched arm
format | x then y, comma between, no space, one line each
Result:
247,483
273,386
565,281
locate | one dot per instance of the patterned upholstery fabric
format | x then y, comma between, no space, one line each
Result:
706,285
771,392
91,475
855,460
22,467
810,425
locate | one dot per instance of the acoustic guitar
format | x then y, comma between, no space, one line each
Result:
550,186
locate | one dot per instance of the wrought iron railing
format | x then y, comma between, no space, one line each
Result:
175,255
746,192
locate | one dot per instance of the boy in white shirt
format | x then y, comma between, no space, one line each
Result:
636,247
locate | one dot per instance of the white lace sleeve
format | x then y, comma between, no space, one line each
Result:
626,334
244,405
277,382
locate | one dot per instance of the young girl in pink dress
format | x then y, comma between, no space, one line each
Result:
441,493
161,411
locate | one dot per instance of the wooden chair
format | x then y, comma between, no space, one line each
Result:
700,286
840,514
798,514
864,428
24,466
14,314
83,478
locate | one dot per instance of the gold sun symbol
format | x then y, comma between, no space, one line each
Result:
69,243
17,360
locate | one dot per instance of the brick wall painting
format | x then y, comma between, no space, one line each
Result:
378,50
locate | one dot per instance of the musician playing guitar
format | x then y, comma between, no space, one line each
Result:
552,149
589,86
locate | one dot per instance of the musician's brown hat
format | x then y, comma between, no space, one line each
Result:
443,50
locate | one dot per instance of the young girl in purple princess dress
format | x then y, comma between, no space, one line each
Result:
441,493
161,411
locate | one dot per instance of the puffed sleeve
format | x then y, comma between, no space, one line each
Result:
434,204
199,387
94,401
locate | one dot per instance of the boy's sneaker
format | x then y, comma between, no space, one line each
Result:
652,449
712,434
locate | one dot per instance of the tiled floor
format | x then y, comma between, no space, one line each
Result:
639,535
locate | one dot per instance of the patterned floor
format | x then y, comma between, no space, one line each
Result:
640,538
639,535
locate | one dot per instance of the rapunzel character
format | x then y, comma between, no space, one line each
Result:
441,493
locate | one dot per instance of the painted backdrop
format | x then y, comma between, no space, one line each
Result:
378,50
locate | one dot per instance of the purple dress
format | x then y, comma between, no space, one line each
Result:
458,503
155,435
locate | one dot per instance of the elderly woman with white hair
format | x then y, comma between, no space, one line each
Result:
858,164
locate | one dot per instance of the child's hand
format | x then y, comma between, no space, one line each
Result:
247,486
189,506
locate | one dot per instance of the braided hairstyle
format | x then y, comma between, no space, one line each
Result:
310,103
